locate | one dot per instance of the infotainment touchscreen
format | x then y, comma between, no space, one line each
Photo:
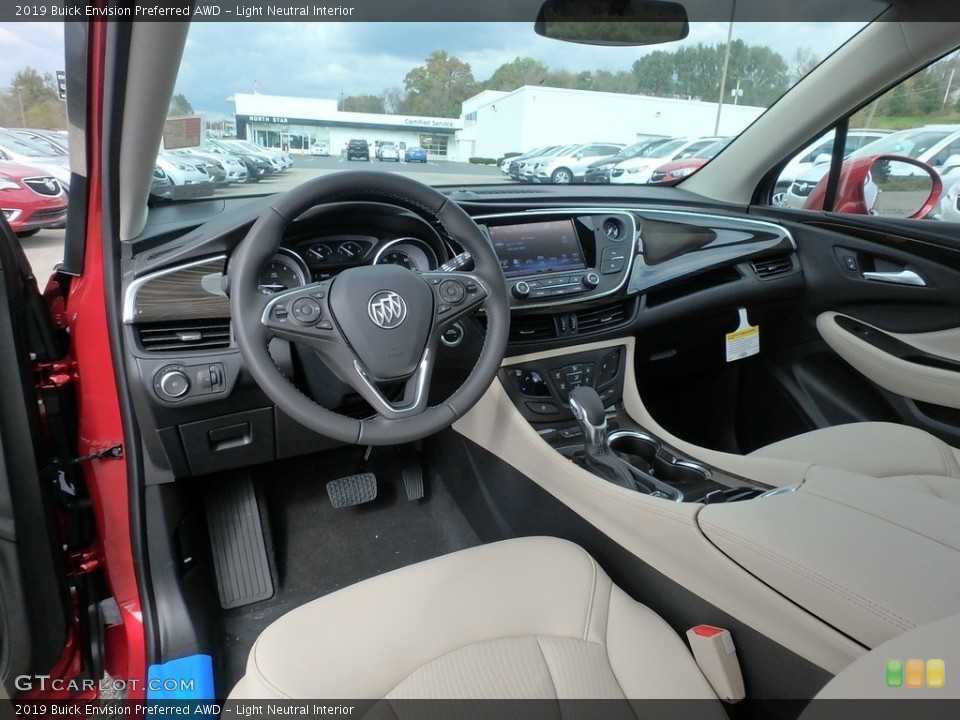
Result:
539,247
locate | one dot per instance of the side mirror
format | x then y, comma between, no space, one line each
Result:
613,22
579,155
952,163
822,158
884,185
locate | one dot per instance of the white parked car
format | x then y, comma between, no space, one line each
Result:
389,151
637,171
817,153
528,170
321,149
189,178
935,145
278,158
234,168
564,169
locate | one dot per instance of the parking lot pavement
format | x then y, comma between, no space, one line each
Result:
44,250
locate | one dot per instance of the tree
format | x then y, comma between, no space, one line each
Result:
802,62
179,105
394,101
521,71
439,87
363,103
32,101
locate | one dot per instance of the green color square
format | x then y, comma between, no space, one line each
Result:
894,673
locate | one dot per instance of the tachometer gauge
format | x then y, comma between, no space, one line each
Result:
284,271
397,257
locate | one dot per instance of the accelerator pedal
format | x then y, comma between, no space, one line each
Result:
411,471
352,490
238,543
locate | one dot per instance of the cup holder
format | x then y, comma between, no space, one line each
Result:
646,454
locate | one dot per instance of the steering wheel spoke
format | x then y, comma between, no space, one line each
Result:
455,294
416,388
302,315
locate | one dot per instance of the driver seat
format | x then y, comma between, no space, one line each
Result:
900,454
530,618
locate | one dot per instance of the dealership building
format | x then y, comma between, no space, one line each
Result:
491,124
296,123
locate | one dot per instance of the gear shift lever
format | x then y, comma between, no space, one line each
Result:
587,408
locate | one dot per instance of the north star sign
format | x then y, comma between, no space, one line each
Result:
268,119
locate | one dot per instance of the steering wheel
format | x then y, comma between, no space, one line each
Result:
372,324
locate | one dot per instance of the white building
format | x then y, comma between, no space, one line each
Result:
496,122
296,123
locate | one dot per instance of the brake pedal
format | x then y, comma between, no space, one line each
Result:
352,490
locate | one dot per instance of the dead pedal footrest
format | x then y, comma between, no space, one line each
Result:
238,544
352,490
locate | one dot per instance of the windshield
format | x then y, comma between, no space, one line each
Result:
473,95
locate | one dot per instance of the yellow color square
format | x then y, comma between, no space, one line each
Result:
936,673
914,673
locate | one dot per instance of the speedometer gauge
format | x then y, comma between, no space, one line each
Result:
284,271
410,253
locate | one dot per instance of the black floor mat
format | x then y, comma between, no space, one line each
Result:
320,549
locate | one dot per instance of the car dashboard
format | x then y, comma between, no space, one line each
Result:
576,274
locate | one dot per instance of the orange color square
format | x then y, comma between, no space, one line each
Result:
914,673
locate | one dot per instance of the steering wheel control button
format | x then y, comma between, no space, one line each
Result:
280,312
443,309
172,383
325,325
318,294
306,310
452,291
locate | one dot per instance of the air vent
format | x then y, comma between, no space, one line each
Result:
167,337
773,267
605,317
526,328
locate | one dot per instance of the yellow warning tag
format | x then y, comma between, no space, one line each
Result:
744,341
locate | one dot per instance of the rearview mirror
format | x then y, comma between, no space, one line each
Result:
613,22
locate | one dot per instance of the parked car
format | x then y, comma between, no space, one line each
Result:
233,167
258,165
564,169
20,149
638,170
598,172
189,178
934,145
517,164
161,187
678,169
415,154
50,139
528,168
279,159
321,149
31,199
211,165
388,151
358,150
818,152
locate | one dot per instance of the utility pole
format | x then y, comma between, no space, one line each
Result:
726,63
23,117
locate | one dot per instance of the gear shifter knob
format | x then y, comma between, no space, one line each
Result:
587,408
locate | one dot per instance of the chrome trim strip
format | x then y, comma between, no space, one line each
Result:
413,241
130,294
903,277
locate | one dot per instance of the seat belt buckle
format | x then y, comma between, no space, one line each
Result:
715,653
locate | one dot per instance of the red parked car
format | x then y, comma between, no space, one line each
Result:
30,198
678,169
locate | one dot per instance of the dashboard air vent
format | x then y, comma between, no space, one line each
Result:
604,317
176,336
525,328
773,267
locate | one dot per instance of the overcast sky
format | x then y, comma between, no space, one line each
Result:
323,59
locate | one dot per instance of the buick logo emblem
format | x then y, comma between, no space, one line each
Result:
50,184
387,309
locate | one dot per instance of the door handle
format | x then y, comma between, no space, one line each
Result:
900,277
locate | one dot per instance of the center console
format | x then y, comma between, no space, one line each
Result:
612,445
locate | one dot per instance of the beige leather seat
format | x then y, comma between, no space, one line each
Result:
528,618
899,453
